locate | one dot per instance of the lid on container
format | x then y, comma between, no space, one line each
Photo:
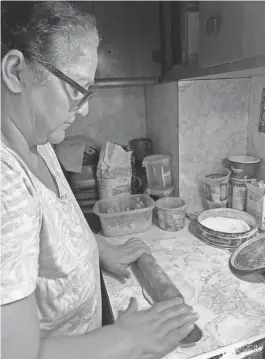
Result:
171,203
250,256
214,174
244,159
240,180
160,192
156,159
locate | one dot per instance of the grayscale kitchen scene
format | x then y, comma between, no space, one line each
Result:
133,179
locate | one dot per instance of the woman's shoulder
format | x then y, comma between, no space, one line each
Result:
14,171
10,161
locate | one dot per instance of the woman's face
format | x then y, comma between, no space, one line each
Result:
46,110
54,103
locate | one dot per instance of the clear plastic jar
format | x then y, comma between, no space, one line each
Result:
158,171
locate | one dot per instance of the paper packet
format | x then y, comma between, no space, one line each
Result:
114,171
256,202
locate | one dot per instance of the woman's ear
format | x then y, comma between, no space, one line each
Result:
14,69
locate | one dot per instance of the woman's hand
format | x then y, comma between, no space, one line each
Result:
116,258
157,331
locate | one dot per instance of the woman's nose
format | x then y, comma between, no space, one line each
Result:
83,110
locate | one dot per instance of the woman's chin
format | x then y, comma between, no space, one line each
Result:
57,137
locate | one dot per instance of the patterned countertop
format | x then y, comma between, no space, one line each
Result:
231,309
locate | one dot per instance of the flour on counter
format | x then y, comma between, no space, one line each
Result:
226,225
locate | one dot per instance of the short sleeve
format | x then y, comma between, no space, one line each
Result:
20,228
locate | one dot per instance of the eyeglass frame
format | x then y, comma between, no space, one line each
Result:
60,75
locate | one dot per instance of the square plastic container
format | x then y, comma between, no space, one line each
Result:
124,215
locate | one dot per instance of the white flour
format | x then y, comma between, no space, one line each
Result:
226,225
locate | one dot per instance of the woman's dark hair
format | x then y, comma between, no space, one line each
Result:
41,30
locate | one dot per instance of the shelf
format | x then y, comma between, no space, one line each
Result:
244,68
124,82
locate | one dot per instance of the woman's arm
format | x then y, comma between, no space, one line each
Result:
116,258
105,343
21,338
135,335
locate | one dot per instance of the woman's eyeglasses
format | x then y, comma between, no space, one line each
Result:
87,95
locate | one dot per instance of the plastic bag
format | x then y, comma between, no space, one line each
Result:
114,171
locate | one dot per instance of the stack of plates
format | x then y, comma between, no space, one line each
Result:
224,239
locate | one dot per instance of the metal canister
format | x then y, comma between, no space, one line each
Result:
238,193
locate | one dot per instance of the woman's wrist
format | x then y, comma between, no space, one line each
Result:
107,260
125,342
103,247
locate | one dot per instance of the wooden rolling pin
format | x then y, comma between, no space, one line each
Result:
160,287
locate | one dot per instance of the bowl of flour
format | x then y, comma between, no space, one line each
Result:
225,227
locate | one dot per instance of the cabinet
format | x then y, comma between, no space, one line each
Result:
141,40
232,31
130,36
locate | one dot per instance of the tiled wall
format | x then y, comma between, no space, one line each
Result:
162,122
213,120
203,122
116,114
256,140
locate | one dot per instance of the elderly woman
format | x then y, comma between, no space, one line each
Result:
50,288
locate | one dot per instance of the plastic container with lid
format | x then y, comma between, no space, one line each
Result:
158,171
122,215
244,167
